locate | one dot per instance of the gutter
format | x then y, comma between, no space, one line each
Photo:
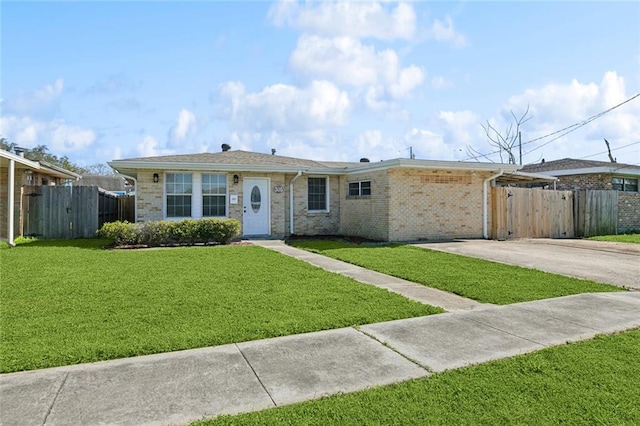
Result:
291,227
485,214
135,201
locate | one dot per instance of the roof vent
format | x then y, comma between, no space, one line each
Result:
225,147
19,151
273,151
364,160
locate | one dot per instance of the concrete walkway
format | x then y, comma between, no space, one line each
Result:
448,301
180,387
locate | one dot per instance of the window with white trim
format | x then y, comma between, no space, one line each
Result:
359,189
214,195
625,184
317,194
178,190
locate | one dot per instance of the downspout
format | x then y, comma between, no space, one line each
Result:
291,227
485,214
11,201
135,201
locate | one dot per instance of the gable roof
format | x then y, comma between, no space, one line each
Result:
244,161
572,166
39,166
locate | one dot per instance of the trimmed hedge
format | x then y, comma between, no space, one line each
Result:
159,233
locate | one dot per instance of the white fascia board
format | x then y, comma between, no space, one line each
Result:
18,159
432,165
532,175
593,170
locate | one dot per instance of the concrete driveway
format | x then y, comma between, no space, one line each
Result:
611,263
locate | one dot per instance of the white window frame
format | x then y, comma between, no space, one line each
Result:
326,195
166,194
624,183
196,196
225,194
359,183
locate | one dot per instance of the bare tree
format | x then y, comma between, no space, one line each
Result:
505,142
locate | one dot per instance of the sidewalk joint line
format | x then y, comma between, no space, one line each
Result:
386,345
255,374
55,398
506,332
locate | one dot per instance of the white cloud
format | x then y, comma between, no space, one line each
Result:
59,136
556,106
41,103
445,32
430,145
353,19
285,107
148,147
347,61
185,126
440,82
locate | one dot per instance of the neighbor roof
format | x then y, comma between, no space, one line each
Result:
571,166
40,166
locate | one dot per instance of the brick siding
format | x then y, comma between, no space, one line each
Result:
366,216
628,211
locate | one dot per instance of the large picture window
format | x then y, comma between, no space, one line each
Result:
625,184
317,193
179,187
214,195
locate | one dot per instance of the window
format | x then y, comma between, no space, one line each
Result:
625,184
214,195
178,189
358,189
317,193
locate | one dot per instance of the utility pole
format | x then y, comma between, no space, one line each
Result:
411,153
520,145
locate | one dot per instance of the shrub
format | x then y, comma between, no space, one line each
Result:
121,233
158,233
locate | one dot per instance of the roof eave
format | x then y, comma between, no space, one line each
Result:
433,165
593,170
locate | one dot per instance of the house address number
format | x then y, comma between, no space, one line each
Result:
278,189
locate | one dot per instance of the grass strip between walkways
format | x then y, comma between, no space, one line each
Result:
622,238
590,382
69,302
478,279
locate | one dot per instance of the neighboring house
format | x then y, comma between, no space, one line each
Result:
113,184
15,173
271,195
576,174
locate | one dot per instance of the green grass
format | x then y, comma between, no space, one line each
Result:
622,238
67,302
590,382
484,281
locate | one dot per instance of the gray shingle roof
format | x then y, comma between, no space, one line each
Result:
239,157
571,164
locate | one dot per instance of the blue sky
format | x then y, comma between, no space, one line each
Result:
98,81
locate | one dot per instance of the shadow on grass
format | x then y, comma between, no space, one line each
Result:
81,243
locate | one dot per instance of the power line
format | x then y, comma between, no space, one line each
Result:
615,149
568,129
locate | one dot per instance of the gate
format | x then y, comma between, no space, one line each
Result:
596,212
531,213
52,212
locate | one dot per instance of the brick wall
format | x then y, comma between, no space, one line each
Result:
628,211
366,216
435,204
149,196
590,181
316,223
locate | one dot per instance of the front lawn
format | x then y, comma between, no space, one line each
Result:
67,302
478,279
622,238
587,383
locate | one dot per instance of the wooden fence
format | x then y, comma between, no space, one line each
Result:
69,211
531,213
596,212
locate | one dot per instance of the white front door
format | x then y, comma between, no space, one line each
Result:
256,218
